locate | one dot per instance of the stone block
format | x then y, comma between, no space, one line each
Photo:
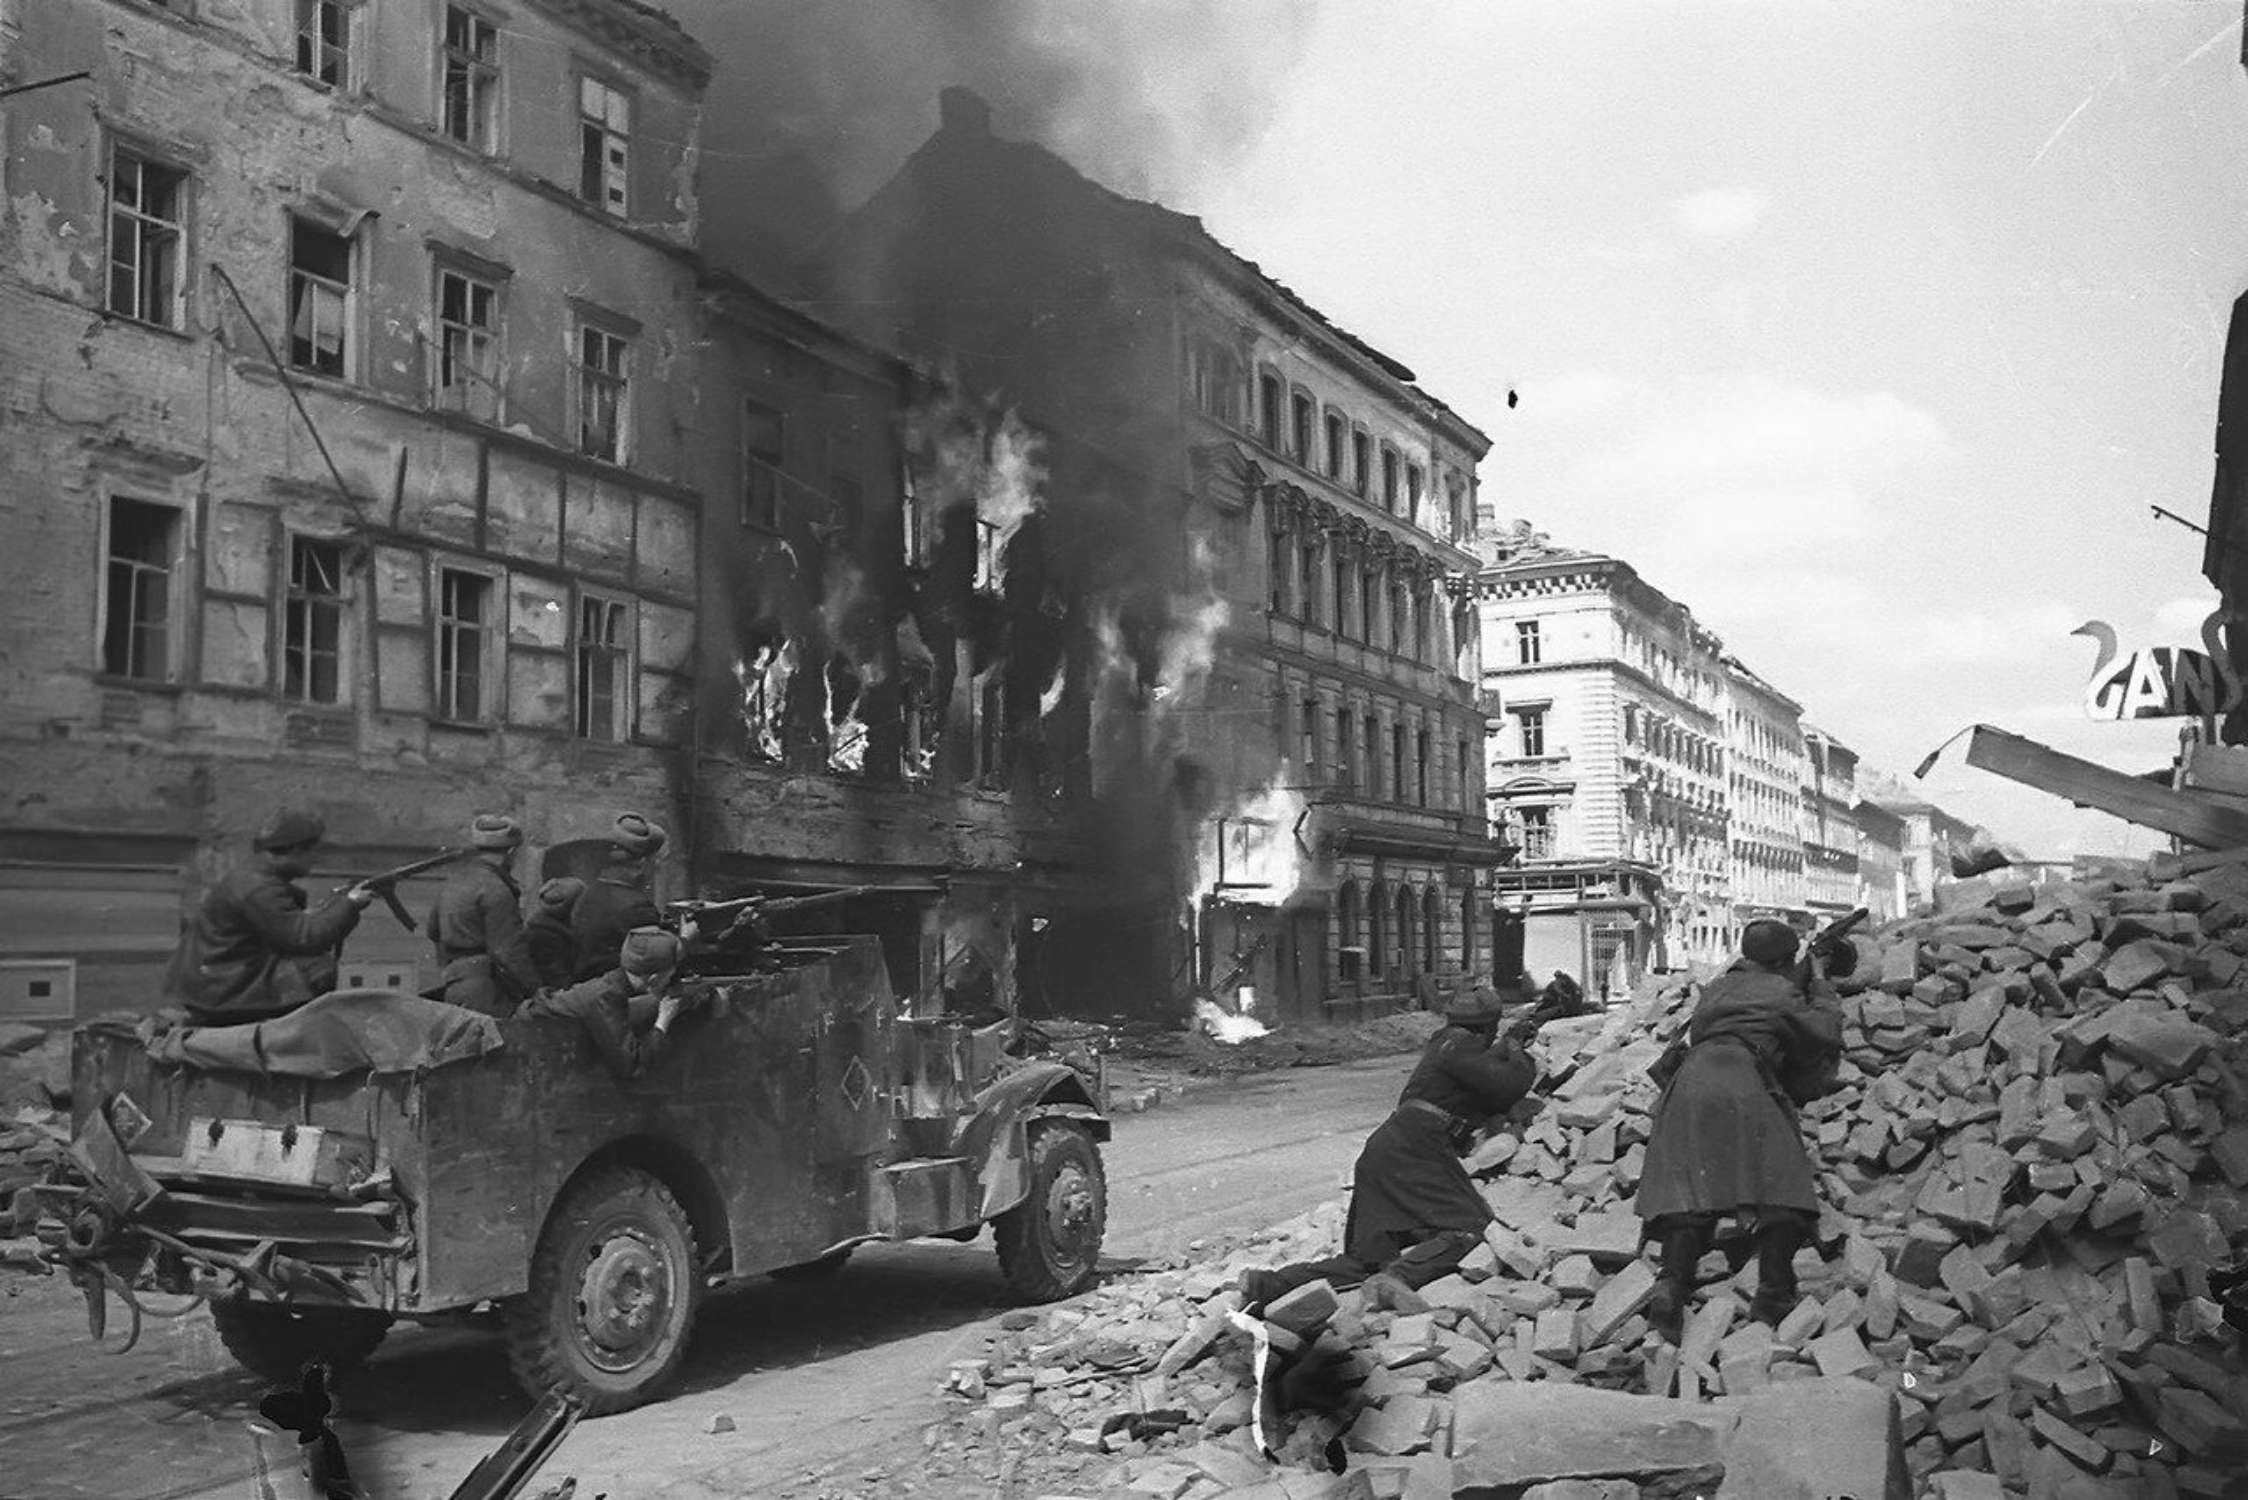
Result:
1625,1294
1399,1425
1509,1436
1961,1484
1841,1352
2084,1450
1555,1336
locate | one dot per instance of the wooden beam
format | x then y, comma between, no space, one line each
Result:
2181,814
2217,768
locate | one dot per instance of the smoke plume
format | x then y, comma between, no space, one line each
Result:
815,102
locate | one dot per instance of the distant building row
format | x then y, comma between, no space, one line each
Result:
1663,794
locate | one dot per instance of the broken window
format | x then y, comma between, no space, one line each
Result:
604,662
319,299
762,444
470,65
1537,832
602,390
924,728
137,605
324,41
990,703
465,631
1338,439
146,210
604,141
312,623
468,343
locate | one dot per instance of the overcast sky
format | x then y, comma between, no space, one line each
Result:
1868,332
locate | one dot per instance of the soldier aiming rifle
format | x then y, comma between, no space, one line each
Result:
737,926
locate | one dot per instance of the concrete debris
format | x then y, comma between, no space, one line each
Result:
33,1138
2038,1156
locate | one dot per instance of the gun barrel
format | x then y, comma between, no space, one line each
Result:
412,867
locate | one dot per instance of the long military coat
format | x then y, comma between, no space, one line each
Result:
254,947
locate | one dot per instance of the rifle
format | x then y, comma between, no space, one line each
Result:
750,910
385,884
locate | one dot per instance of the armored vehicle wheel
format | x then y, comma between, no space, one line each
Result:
1050,1243
815,1270
276,1341
613,1293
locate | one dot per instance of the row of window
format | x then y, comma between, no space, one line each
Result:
1397,932
148,226
144,599
1290,422
1368,755
1337,587
1671,741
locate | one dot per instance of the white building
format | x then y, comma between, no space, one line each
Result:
1764,789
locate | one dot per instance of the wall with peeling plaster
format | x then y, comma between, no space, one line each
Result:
109,790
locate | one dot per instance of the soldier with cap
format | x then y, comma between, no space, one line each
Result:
620,897
254,947
1414,1211
554,952
1724,1138
484,959
643,966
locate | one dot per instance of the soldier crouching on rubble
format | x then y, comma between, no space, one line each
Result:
254,948
1414,1211
603,1005
1724,1138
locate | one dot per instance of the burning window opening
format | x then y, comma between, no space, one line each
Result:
1051,699
846,731
764,683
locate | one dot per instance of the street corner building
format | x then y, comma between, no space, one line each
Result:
350,419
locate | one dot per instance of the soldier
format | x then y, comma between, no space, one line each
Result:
1724,1138
477,924
554,952
1414,1211
619,899
644,965
252,950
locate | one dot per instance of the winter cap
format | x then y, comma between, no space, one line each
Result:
289,828
635,835
1478,1007
1768,943
649,950
494,831
561,893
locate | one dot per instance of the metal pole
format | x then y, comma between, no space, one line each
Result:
282,370
45,83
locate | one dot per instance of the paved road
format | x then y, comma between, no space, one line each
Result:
812,1376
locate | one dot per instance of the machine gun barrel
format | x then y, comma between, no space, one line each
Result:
385,883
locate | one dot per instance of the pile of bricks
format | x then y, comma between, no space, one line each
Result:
34,1128
2038,1157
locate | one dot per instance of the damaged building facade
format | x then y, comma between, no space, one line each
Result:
1232,612
360,412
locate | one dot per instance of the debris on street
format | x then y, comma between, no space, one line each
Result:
2038,1158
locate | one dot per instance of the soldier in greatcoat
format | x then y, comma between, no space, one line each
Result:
554,952
477,924
1724,1138
1414,1211
255,947
620,898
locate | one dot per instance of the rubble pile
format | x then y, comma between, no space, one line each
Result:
34,1124
2038,1157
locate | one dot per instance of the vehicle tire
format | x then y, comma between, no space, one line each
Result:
275,1341
1050,1243
613,1295
815,1270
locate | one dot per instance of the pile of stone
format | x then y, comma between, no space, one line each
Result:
2037,1159
34,1096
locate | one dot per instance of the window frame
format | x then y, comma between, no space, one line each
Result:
1271,408
484,74
1530,730
586,383
1338,444
456,396
308,39
621,653
1361,461
614,164
173,571
753,463
347,314
294,596
1303,425
175,231
491,658
1280,564
1307,737
1529,643
1392,471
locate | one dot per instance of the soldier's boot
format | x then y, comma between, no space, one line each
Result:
1776,1292
1683,1247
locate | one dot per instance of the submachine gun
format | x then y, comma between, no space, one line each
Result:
1830,951
385,884
735,928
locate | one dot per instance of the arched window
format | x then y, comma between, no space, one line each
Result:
1407,912
1432,930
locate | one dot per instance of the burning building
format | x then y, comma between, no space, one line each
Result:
1240,585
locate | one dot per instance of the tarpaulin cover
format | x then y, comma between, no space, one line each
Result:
349,1031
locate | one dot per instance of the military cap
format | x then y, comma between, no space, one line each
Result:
290,828
494,831
1478,1007
1768,942
637,836
561,893
649,950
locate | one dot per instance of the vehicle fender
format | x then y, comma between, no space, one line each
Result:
996,1138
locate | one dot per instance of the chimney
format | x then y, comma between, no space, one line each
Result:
964,111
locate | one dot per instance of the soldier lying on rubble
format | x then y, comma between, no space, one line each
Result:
1724,1138
603,1005
1414,1211
254,948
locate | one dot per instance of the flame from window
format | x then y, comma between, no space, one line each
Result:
764,682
